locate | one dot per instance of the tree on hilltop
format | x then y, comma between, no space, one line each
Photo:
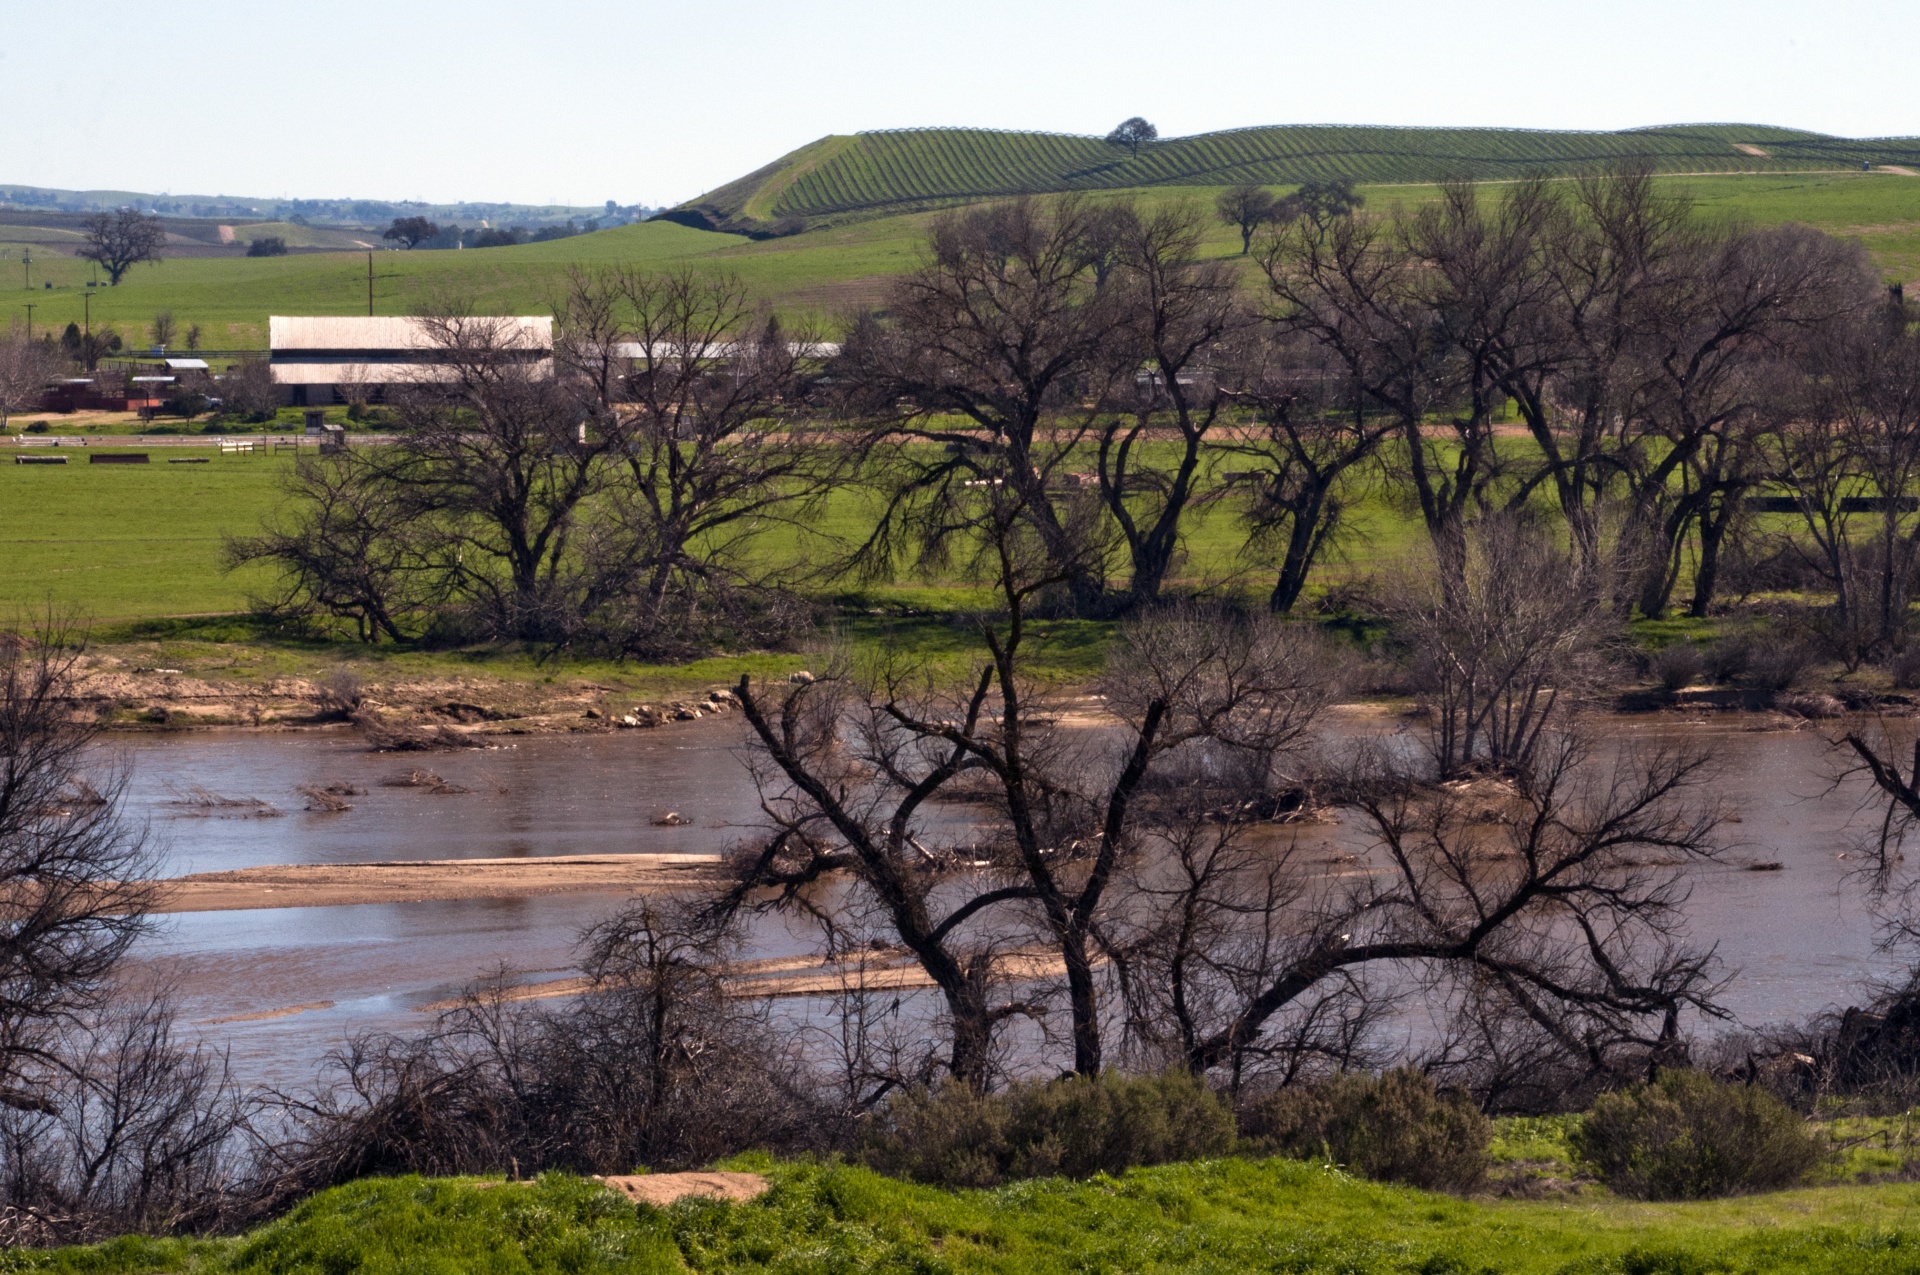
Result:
118,241
1132,134
1249,208
412,231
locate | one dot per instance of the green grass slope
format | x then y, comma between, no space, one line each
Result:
822,272
888,171
1196,1219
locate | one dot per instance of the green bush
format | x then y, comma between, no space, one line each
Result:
1687,1136
1392,1128
1070,1128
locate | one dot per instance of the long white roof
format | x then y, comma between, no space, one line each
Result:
396,332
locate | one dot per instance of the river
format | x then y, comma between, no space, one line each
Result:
279,987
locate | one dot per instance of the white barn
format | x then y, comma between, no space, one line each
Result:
317,361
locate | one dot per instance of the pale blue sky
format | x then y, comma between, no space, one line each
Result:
587,100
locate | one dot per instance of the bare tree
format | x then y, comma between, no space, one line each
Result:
1730,304
1246,208
348,549
1413,307
1182,319
1845,440
999,351
162,328
25,368
1312,437
707,415
74,875
1550,914
119,241
494,469
849,768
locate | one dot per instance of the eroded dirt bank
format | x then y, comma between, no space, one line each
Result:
400,713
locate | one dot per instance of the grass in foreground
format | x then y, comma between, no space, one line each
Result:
1216,1216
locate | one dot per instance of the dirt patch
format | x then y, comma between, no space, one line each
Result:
1747,148
344,884
662,1189
1900,169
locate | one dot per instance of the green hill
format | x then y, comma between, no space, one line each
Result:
901,170
1206,1218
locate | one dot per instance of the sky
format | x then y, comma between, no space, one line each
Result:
581,101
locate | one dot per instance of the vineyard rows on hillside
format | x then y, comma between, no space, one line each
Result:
923,167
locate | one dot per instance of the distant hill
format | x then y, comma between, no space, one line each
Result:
842,177
347,213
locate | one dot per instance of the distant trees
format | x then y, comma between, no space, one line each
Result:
1246,208
412,231
119,241
269,246
1133,134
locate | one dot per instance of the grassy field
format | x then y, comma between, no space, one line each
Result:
868,172
1219,1216
821,273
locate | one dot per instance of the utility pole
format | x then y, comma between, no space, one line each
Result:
371,276
26,265
29,320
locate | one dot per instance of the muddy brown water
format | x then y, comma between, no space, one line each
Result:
280,987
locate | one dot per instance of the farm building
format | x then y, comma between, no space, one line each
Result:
321,360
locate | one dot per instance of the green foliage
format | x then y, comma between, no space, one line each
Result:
416,1226
1391,1128
1071,1128
1687,1136
1220,1217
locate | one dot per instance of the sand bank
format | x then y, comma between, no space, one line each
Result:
421,881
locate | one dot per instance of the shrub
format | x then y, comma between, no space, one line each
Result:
1903,666
271,246
1687,1136
1729,657
1067,1128
1778,665
1392,1128
1677,666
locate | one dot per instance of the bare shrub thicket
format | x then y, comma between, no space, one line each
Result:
653,1065
108,1122
1500,635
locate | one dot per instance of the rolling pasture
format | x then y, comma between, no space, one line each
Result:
821,273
